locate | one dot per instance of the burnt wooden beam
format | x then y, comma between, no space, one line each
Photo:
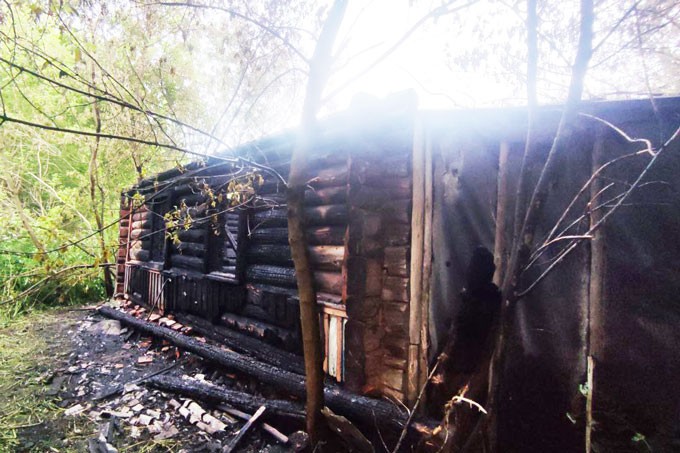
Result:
262,330
188,248
191,262
316,236
357,407
244,344
335,214
218,394
330,282
324,257
140,255
191,235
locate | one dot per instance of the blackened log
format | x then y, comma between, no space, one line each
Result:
140,233
264,331
328,177
216,394
141,215
270,218
271,275
330,195
141,224
192,199
269,254
188,248
330,282
244,344
191,235
140,255
315,236
335,214
367,410
327,257
323,257
189,262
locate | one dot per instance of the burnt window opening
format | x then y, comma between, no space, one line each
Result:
226,242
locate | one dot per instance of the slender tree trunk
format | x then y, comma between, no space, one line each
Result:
14,189
94,183
311,335
523,240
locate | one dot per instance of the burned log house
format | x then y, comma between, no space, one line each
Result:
397,201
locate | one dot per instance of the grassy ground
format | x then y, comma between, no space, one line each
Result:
31,347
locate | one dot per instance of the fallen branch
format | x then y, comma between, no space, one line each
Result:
361,408
278,435
242,432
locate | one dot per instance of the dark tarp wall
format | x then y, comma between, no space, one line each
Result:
637,360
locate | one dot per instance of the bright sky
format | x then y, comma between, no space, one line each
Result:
421,62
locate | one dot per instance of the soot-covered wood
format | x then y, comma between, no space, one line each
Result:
357,407
244,344
214,394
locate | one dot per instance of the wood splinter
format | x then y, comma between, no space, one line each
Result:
278,435
244,429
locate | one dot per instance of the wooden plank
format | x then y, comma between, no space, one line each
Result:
417,258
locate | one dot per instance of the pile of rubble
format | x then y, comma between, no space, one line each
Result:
106,382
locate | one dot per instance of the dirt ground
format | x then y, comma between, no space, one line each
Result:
55,366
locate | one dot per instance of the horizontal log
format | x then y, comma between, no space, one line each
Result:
271,275
330,282
327,257
317,215
191,235
123,232
204,391
140,244
141,233
188,262
193,199
396,261
141,215
373,198
330,195
141,224
357,407
266,332
329,235
189,249
328,177
269,254
335,214
140,255
244,344
324,257
395,288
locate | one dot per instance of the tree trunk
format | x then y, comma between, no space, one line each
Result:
94,184
319,69
524,236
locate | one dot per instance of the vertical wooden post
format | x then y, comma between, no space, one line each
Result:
417,260
595,311
427,269
500,246
590,382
